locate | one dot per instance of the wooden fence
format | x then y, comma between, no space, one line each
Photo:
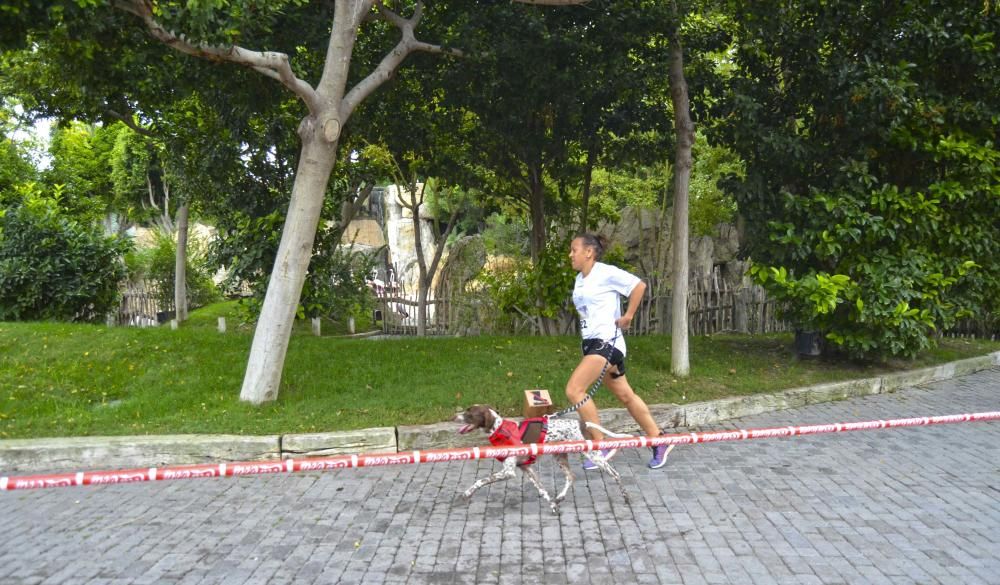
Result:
984,328
142,305
396,311
716,307
713,307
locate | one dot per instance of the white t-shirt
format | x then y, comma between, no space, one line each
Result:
597,300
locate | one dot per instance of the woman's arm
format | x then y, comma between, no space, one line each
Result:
634,298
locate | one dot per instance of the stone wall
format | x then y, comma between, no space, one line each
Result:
645,238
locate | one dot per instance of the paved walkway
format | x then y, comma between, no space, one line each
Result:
918,505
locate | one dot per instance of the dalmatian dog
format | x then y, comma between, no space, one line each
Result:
507,432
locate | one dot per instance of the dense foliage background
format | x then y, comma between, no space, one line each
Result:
872,186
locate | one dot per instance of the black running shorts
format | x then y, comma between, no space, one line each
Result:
603,349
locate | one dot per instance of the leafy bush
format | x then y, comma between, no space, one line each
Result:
505,236
515,287
880,268
708,204
157,264
871,189
15,166
337,285
53,267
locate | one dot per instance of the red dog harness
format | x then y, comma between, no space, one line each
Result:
510,434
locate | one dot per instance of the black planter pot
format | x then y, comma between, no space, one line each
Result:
808,343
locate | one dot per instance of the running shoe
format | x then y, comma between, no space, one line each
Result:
659,456
589,465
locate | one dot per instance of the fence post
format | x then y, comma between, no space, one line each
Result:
664,313
316,326
740,311
222,324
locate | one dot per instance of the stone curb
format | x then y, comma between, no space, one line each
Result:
78,453
81,453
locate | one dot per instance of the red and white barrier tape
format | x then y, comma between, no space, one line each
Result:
464,454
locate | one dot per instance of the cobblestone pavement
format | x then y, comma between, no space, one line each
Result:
918,505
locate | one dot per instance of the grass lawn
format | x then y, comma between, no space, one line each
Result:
78,380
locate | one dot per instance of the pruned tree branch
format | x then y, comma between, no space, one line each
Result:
407,44
272,64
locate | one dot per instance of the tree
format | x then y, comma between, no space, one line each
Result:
80,158
329,104
413,200
414,151
684,128
684,132
140,182
545,92
870,134
77,71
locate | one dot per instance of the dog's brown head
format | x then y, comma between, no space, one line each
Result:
477,416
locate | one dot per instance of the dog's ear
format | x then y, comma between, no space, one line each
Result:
488,419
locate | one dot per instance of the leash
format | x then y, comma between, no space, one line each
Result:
597,383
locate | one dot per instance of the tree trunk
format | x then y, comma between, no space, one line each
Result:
418,246
539,235
425,277
274,326
180,265
320,134
536,202
422,309
684,127
440,241
588,179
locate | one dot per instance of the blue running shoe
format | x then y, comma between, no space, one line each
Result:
659,456
589,465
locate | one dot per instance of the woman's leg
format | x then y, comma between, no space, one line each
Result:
635,405
640,412
579,382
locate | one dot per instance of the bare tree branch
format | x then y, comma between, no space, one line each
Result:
272,64
394,58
